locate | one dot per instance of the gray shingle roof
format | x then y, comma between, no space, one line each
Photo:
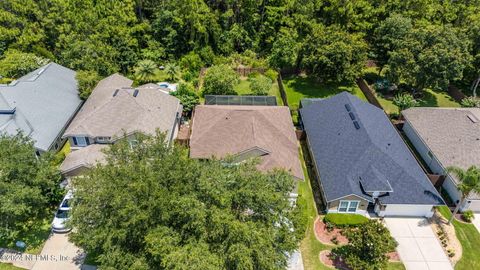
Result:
451,134
372,157
44,100
112,110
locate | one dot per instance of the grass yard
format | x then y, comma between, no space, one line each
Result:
345,219
431,99
8,266
243,88
34,238
298,88
469,237
310,247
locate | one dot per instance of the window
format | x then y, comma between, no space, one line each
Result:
343,206
103,139
348,206
80,141
430,154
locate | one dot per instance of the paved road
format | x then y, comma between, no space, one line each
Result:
418,247
59,254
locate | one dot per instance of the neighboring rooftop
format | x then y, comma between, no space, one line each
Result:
357,150
85,157
40,104
116,108
451,134
247,131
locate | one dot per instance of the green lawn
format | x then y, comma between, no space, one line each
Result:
345,219
243,88
469,237
431,99
34,238
310,247
7,266
298,88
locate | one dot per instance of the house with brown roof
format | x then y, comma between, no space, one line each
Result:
116,110
446,137
244,132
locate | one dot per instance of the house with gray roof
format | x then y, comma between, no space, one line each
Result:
361,162
446,137
116,110
41,105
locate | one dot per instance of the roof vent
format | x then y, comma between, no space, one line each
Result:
40,71
472,118
347,106
135,93
357,126
116,92
352,116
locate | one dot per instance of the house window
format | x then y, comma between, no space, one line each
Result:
348,206
80,141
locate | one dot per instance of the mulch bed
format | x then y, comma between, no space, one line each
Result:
326,259
393,257
325,237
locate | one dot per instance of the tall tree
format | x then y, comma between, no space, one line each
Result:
28,185
220,80
468,182
333,54
155,208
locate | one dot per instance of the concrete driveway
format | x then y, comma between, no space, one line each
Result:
418,247
476,221
59,254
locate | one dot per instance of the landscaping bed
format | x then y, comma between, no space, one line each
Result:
469,239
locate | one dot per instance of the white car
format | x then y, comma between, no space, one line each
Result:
59,223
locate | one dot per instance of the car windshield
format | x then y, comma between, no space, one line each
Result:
65,203
62,214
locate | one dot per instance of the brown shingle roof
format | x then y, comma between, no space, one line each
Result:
112,110
219,131
85,157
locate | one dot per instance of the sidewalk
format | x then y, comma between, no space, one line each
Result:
16,258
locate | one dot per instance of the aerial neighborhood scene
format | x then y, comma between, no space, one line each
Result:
239,135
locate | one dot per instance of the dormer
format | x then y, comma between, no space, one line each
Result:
374,183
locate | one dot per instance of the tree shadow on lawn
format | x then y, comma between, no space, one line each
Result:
34,237
428,100
310,88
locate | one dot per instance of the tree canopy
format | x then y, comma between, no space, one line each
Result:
28,185
151,207
423,42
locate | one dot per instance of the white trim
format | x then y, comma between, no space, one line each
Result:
352,194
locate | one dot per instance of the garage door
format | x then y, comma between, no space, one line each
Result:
475,206
408,210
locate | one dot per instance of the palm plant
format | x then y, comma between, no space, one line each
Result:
145,70
469,181
172,71
404,101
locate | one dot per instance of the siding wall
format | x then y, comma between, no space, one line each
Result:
332,207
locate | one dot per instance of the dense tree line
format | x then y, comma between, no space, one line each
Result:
329,38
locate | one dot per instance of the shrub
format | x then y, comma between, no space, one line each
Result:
187,96
334,240
468,216
404,101
16,63
220,80
260,85
345,220
470,102
271,74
